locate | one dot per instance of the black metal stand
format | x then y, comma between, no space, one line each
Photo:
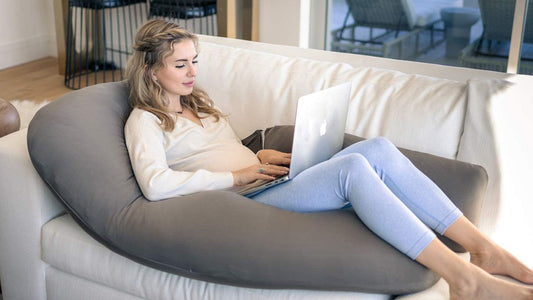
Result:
197,16
99,37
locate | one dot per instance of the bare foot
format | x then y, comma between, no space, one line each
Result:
497,260
481,285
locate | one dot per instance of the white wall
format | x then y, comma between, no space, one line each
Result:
27,31
279,22
298,23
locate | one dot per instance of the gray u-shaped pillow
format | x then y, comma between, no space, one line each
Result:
76,143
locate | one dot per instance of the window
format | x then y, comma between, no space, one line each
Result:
467,33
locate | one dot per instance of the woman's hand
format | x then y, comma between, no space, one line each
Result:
273,157
255,172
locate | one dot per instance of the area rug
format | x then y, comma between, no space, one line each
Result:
27,109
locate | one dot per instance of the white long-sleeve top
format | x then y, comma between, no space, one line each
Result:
190,159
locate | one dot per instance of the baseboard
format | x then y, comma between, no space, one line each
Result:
25,50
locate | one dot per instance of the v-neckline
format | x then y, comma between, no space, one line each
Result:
201,125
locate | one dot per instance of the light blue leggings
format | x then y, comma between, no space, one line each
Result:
387,192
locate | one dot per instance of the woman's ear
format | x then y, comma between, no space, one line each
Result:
151,72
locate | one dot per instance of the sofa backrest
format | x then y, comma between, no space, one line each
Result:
413,111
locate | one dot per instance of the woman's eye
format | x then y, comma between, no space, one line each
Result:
180,66
194,61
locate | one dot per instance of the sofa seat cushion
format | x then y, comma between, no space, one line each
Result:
415,112
67,248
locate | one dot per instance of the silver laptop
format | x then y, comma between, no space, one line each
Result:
318,133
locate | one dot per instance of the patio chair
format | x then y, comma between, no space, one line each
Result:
497,17
380,26
491,50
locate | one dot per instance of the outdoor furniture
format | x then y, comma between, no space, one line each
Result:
390,28
470,58
458,21
498,16
491,50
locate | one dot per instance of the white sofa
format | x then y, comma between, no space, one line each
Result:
474,116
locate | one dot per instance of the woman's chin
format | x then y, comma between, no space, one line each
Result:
187,91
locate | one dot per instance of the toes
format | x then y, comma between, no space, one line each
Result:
527,277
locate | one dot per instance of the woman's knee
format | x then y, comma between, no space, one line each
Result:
380,151
381,143
353,161
376,150
373,147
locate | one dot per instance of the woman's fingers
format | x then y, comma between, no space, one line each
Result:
274,157
270,169
253,173
284,159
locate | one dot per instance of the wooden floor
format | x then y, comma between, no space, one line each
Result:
37,80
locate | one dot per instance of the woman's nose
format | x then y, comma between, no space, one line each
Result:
192,71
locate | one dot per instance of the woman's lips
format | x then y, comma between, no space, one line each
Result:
189,84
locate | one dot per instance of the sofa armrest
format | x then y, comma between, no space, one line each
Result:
26,203
497,135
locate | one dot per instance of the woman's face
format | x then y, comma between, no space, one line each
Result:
180,69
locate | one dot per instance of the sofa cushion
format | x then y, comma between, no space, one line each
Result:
254,141
67,249
422,12
77,145
415,112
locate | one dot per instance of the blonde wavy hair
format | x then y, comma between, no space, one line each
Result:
154,42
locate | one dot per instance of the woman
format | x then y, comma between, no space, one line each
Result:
180,143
